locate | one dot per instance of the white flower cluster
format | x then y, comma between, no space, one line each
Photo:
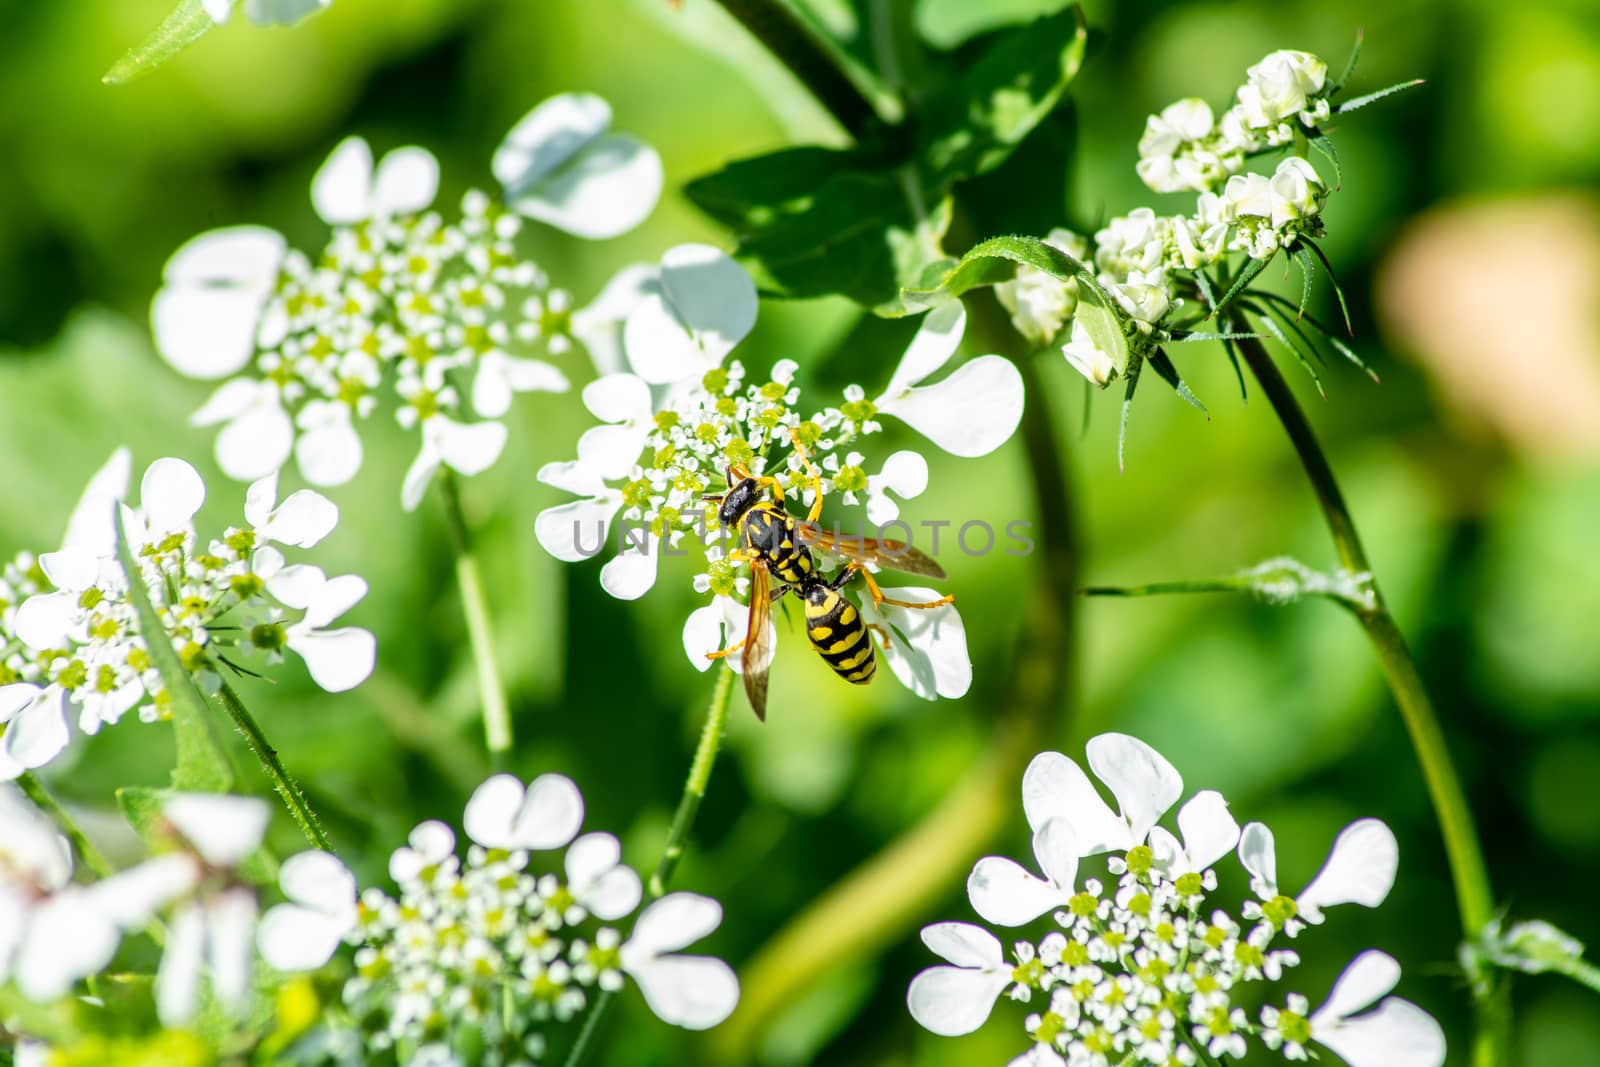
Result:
684,415
448,317
1146,969
69,631
1147,262
488,952
54,933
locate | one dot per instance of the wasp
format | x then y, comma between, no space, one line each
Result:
776,546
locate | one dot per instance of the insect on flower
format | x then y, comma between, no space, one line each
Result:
774,542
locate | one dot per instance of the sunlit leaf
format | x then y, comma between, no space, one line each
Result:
186,25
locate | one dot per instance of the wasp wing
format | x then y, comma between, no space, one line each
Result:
758,639
889,554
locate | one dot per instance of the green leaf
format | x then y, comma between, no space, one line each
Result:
814,222
1350,65
1324,144
1127,407
973,122
1362,101
1168,373
1302,351
1538,947
1338,291
186,25
1246,276
1282,580
1327,335
141,806
202,767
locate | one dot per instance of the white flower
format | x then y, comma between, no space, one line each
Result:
927,647
904,472
700,306
576,530
599,881
500,376
1209,833
561,165
1087,358
328,449
302,934
346,189
694,992
957,999
208,316
599,324
970,413
1006,893
212,935
1396,1034
170,494
258,434
467,448
503,814
431,844
719,625
623,404
62,938
302,520
265,12
1280,87
1297,192
1041,304
1360,869
1143,782
1172,153
33,727
338,659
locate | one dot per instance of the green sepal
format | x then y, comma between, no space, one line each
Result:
186,25
201,766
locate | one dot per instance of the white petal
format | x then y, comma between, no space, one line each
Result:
927,648
951,1001
341,190
705,306
618,398
328,449
607,189
1398,1034
573,476
39,733
67,938
93,524
408,180
223,829
490,810
612,450
281,12
550,814
599,323
338,660
599,880
694,992
1209,831
319,880
906,473
219,10
470,448
1360,869
169,495
255,444
131,898
500,375
632,571
296,586
1054,786
247,256
675,921
1005,893
420,474
230,933
591,856
333,598
1368,977
230,400
44,620
178,978
259,499
206,333
13,698
292,938
433,840
971,413
964,944
1144,783
937,339
1056,848
1259,856
614,894
705,631
71,570
1039,1056
547,137
302,520
576,531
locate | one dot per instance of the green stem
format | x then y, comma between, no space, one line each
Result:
480,627
92,857
1468,871
694,791
293,799
801,47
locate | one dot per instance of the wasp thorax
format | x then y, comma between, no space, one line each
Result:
738,501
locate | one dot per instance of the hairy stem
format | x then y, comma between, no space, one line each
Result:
91,856
798,45
1468,871
293,799
480,625
879,901
694,791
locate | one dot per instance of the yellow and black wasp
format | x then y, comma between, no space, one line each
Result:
776,544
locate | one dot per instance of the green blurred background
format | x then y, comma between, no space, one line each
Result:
1467,235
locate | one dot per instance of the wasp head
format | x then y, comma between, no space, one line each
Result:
738,500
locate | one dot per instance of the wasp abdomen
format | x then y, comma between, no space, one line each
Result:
839,635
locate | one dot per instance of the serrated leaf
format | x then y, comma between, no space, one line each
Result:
1127,406
1350,65
1338,290
1371,98
186,25
973,122
1324,144
1326,334
1303,356
201,766
1308,271
1168,373
1246,276
995,261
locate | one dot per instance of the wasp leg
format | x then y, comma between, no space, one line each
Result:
730,650
813,474
883,633
879,598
